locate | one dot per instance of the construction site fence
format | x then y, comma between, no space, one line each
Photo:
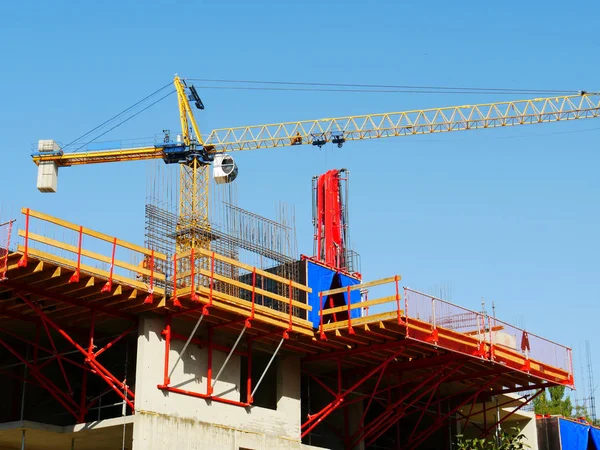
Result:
88,252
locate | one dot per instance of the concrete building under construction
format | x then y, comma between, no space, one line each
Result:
215,333
107,344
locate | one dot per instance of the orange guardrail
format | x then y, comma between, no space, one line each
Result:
88,251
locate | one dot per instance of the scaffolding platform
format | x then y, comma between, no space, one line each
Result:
90,289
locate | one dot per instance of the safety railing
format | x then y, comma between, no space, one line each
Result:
203,275
5,242
461,330
333,317
426,315
87,251
452,327
526,351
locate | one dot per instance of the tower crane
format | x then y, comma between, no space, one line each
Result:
195,153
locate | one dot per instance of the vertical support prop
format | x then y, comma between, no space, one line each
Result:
211,283
194,296
350,329
167,334
175,300
23,261
4,259
321,332
75,277
249,319
433,337
108,286
148,300
291,310
249,398
406,311
398,298
209,389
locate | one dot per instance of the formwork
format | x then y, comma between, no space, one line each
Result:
71,299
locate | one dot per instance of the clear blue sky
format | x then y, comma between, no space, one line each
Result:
509,215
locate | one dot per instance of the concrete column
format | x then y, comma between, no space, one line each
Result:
169,420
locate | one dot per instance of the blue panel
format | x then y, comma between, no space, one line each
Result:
595,436
573,435
320,278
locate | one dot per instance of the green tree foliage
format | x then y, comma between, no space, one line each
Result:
512,440
553,402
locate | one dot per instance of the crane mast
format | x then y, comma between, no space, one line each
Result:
193,228
195,154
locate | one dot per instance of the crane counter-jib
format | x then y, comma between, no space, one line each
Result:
101,156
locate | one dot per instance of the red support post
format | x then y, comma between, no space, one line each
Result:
148,300
90,351
175,300
396,279
249,398
193,295
60,364
487,431
315,419
113,382
75,277
204,396
90,359
115,340
426,433
205,309
108,286
167,334
406,311
23,261
380,426
350,329
321,332
291,308
362,419
209,389
249,319
424,410
4,258
59,395
377,425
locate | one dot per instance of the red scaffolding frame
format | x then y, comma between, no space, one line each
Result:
85,347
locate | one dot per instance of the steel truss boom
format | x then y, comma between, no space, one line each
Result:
369,126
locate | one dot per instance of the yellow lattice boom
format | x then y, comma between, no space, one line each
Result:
369,126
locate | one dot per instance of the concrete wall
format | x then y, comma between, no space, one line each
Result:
169,420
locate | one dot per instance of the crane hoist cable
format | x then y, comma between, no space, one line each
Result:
117,116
